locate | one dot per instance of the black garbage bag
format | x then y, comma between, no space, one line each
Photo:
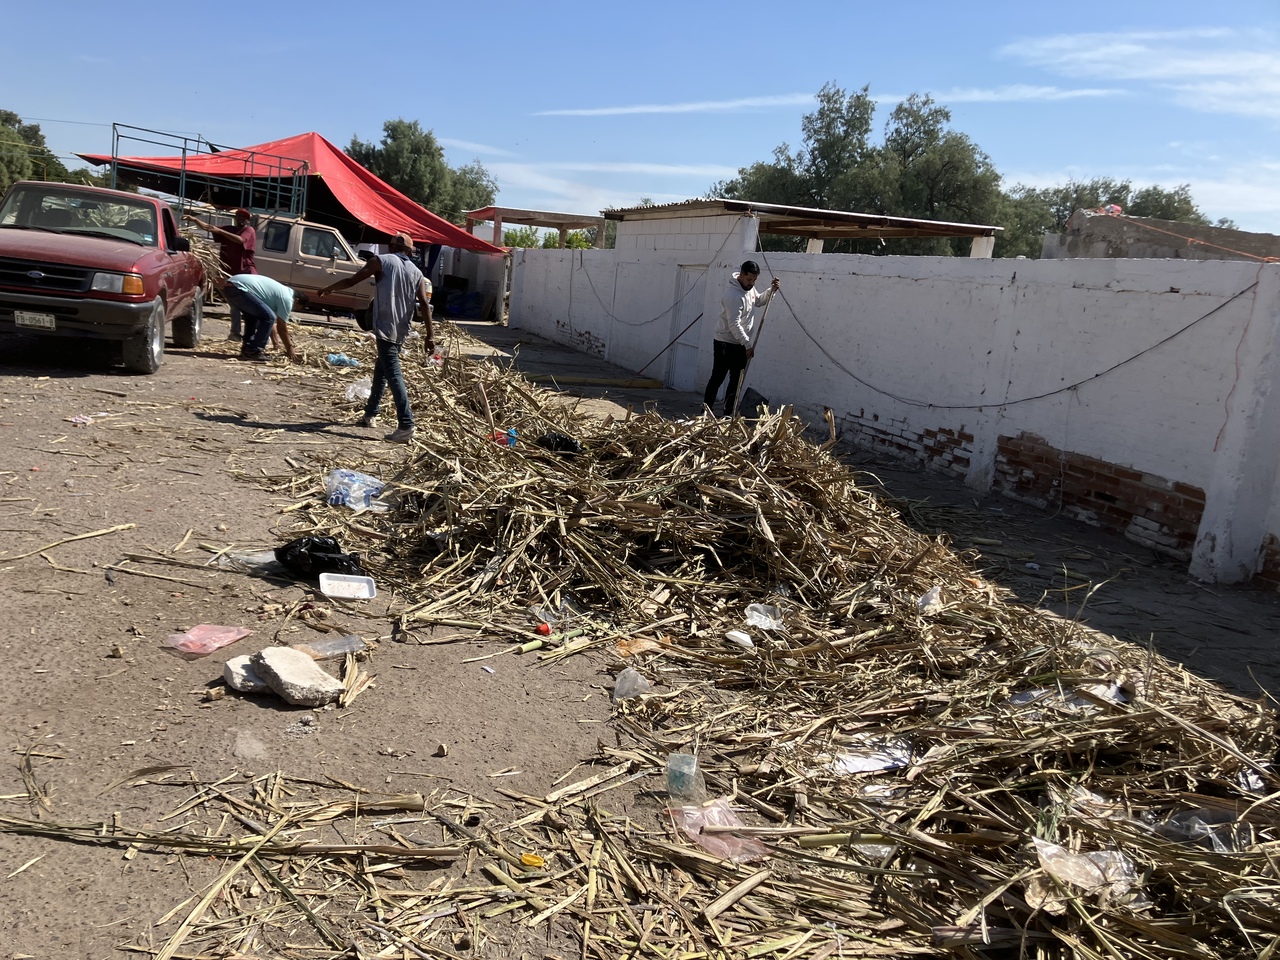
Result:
311,556
558,442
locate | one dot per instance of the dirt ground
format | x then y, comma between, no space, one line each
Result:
91,696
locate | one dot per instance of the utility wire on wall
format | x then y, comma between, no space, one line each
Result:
913,402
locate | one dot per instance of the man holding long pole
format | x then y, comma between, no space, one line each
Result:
732,346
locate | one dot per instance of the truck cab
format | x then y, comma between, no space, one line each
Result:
307,256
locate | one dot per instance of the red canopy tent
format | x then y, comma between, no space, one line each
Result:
340,192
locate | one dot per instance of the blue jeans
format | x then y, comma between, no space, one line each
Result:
387,372
237,330
259,319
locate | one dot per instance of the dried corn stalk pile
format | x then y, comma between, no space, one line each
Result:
932,771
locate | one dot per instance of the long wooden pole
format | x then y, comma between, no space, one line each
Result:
742,380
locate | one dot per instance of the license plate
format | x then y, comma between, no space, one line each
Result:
37,321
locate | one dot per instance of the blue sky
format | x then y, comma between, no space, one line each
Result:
576,106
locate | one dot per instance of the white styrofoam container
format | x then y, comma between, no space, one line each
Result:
347,586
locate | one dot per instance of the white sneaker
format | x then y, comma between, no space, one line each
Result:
368,421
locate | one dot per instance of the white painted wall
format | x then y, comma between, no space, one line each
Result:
960,343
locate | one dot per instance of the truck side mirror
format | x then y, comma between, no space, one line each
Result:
181,244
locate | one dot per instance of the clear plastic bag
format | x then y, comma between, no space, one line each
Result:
351,488
258,562
359,391
331,648
685,782
764,616
630,683
931,602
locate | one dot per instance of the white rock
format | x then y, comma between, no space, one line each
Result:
239,674
296,677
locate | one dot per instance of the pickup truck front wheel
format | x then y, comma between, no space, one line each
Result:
186,330
144,352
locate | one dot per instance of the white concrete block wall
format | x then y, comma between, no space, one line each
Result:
960,332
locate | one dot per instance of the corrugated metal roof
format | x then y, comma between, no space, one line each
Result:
808,221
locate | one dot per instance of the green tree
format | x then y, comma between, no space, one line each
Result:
44,165
410,159
573,240
15,159
522,237
1028,213
922,168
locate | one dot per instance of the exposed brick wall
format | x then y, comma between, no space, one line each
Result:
948,451
1268,577
1159,513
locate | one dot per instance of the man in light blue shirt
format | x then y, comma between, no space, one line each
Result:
401,289
264,304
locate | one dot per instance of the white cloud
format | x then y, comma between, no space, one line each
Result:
652,169
471,147
1012,93
1019,92
530,186
1211,70
700,106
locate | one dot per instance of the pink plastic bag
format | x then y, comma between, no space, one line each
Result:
717,813
205,638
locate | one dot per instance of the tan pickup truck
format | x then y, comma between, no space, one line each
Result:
307,256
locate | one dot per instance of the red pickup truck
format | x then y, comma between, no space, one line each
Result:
103,264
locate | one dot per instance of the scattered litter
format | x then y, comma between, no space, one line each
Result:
694,819
1099,871
351,488
764,616
347,586
331,648
931,602
532,860
311,556
80,420
204,638
629,648
685,783
741,638
342,360
257,562
1033,566
558,442
504,438
869,754
359,391
488,670
630,683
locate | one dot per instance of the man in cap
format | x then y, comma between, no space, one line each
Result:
235,248
400,290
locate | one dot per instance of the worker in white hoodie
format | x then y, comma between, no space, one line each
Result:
731,348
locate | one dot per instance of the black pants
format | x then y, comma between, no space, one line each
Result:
727,359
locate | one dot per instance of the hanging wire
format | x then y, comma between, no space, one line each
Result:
914,402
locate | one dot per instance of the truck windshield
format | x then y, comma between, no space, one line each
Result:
56,209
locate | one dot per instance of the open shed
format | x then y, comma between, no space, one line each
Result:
563,222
